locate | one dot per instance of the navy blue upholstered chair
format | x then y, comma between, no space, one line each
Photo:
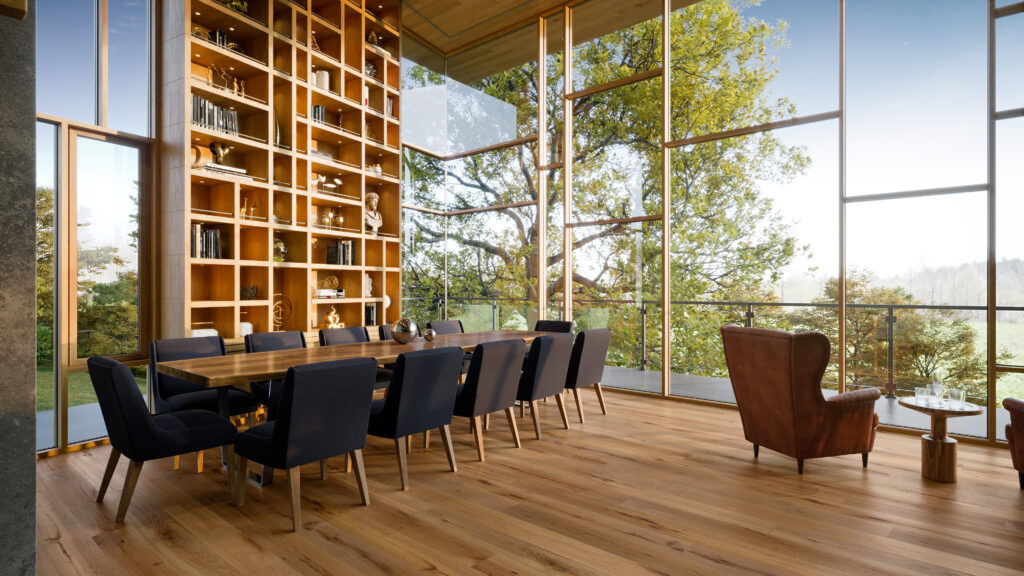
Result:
421,397
335,336
170,393
444,327
384,332
350,335
324,412
269,391
544,374
561,326
491,386
141,436
586,365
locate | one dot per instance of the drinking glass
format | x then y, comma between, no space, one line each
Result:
921,396
957,397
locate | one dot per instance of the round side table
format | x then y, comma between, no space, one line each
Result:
938,451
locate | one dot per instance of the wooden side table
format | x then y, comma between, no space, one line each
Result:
938,451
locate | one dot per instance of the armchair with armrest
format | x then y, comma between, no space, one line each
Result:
1015,435
776,377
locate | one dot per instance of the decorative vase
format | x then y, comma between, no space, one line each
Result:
403,331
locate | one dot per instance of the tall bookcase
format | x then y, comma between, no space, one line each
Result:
277,125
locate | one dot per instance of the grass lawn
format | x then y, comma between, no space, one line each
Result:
79,388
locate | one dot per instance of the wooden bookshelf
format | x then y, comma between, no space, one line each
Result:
307,108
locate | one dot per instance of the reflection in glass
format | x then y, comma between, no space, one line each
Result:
556,87
613,40
916,99
47,152
423,266
502,176
1009,55
1009,263
424,118
128,66
66,60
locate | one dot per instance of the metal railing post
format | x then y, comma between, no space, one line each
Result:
890,386
750,316
494,311
643,336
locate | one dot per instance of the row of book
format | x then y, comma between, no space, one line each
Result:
205,242
370,315
209,115
341,252
317,113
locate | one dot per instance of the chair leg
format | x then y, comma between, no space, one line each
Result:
108,473
1020,477
800,465
426,439
129,488
487,421
199,462
478,435
364,490
600,397
512,426
401,448
229,454
348,463
243,468
756,448
175,462
293,492
323,469
536,418
579,404
522,409
449,450
561,410
864,458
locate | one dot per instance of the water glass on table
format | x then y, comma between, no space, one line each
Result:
921,395
957,396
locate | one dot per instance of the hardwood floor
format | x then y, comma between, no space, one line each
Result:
654,487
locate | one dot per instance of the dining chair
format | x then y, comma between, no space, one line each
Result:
562,326
547,364
354,335
141,436
491,386
171,394
324,412
586,365
421,397
268,392
384,332
444,327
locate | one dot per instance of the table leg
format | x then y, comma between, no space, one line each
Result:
938,453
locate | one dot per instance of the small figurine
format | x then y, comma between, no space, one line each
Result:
367,286
333,319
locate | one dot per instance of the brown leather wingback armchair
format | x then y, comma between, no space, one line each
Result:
776,377
1015,435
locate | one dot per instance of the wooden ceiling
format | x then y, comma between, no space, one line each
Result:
481,37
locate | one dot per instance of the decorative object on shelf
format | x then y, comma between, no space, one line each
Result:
234,47
237,5
372,39
333,320
282,310
200,31
280,249
327,217
313,44
277,129
252,209
241,88
328,282
204,332
246,328
389,106
368,131
245,205
221,150
251,292
224,81
429,335
367,286
387,301
373,218
370,69
403,331
201,156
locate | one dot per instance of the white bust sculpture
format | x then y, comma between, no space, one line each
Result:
367,286
373,218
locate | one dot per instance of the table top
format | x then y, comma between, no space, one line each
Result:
234,369
943,409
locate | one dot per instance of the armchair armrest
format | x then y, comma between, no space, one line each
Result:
854,400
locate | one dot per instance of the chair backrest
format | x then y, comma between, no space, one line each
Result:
776,377
165,386
421,395
563,326
335,336
589,352
493,378
267,341
546,366
1015,431
128,422
384,331
324,410
442,327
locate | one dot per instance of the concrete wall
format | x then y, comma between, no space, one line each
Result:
18,294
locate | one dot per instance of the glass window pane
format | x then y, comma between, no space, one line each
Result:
759,62
423,181
47,176
492,92
916,99
916,281
128,67
1010,62
503,176
1009,264
424,120
423,266
66,60
613,39
617,153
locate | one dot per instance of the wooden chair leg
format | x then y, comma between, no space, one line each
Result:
129,488
561,410
446,439
756,448
478,435
487,421
536,418
293,492
579,403
175,462
108,473
348,463
401,447
229,453
522,409
426,439
512,426
323,469
243,469
199,462
408,445
600,397
864,459
364,490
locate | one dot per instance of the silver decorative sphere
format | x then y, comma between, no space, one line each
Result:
403,331
429,334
